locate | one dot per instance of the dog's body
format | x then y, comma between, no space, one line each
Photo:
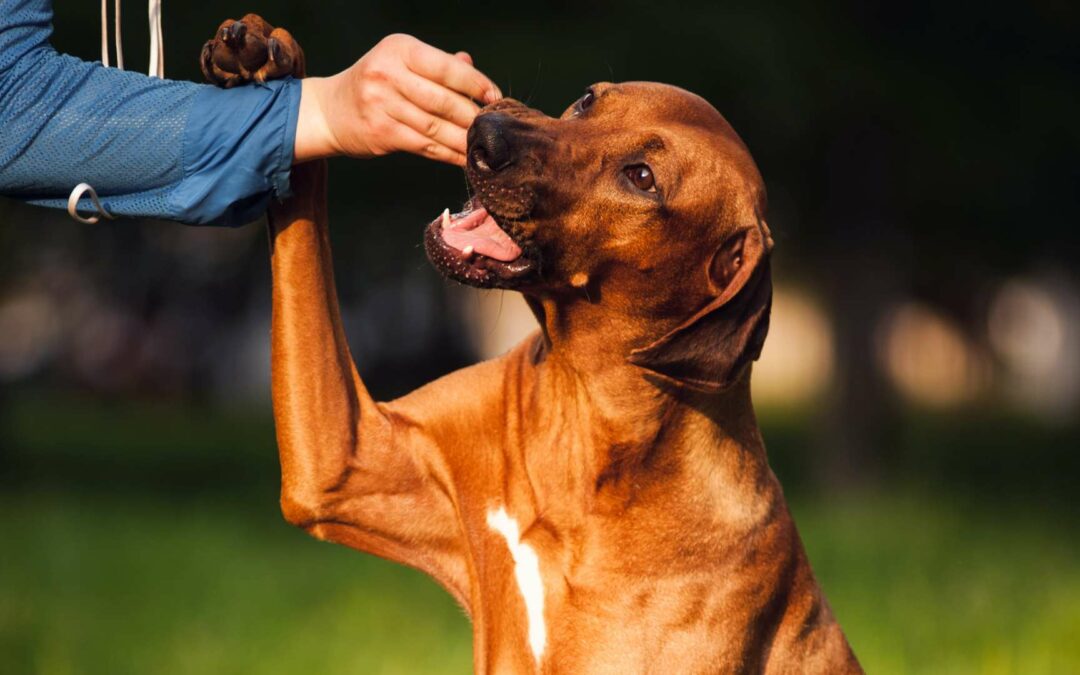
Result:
598,499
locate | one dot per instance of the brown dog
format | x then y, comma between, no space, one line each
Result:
598,499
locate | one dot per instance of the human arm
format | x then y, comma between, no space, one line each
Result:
182,151
150,147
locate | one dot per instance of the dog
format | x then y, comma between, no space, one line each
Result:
598,499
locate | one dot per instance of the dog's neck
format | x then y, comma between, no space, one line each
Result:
643,429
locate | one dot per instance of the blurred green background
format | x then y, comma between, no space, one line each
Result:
919,393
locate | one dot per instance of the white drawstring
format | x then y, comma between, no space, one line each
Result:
157,41
155,69
119,45
157,38
105,35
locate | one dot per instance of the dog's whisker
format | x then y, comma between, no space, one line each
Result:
536,83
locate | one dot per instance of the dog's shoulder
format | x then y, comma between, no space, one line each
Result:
474,393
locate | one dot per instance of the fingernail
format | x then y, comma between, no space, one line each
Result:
493,95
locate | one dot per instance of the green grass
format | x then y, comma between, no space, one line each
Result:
925,585
141,539
118,586
129,585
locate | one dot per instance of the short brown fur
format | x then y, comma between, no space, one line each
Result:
620,437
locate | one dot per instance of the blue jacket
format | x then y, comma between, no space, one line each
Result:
149,147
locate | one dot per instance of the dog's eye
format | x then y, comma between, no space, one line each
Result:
642,177
586,101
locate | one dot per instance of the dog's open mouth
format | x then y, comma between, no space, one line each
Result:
472,247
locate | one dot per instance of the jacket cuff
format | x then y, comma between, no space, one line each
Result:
238,152
279,180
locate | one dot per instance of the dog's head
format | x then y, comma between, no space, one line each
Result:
639,198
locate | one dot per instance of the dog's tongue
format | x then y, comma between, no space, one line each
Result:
480,231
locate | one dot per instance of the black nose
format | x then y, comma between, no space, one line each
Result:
489,142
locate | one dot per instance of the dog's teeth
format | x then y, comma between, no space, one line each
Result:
467,251
446,222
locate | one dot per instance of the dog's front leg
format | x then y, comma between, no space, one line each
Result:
347,474
322,410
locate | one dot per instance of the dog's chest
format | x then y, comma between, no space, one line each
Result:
590,600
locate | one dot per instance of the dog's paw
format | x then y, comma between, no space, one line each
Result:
250,50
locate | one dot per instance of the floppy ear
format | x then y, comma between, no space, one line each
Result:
709,350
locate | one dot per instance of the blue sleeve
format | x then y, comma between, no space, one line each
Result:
149,147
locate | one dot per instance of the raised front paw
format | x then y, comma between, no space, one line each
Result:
250,50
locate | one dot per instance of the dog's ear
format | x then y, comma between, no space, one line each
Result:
711,349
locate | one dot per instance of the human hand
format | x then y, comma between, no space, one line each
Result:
402,95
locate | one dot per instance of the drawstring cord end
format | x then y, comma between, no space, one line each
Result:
73,205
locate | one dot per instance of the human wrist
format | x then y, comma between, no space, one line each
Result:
314,138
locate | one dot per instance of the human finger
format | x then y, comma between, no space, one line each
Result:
413,141
440,130
454,73
438,100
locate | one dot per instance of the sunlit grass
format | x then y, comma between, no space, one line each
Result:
925,585
125,585
117,586
143,540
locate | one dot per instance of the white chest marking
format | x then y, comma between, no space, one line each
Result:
527,573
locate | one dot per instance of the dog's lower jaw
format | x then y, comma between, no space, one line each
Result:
472,269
